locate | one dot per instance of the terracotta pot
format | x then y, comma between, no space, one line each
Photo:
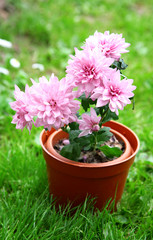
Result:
73,181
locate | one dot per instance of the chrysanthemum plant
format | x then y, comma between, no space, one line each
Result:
94,76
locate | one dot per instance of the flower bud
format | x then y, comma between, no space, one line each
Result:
66,142
95,128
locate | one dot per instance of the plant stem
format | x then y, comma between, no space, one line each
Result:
95,143
104,114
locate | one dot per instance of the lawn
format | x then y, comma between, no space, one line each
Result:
46,32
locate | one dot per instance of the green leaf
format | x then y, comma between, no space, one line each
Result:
111,152
103,134
86,102
106,114
121,65
73,134
88,147
71,151
85,141
109,115
74,126
101,110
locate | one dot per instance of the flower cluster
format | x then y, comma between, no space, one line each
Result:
23,117
52,102
110,45
87,69
93,75
114,92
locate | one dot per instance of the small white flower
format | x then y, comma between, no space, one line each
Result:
5,43
14,63
4,71
38,66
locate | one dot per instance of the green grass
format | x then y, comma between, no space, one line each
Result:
46,32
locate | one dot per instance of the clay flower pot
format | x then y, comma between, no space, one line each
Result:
73,181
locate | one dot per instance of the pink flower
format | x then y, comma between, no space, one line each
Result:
115,92
23,117
89,124
54,103
87,69
110,45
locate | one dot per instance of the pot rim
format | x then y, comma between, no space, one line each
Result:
95,165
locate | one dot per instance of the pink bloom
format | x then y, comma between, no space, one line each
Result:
110,45
89,124
115,92
23,117
54,103
68,83
87,69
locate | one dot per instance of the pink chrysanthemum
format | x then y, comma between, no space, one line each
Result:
23,117
54,103
87,69
89,123
110,45
115,92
